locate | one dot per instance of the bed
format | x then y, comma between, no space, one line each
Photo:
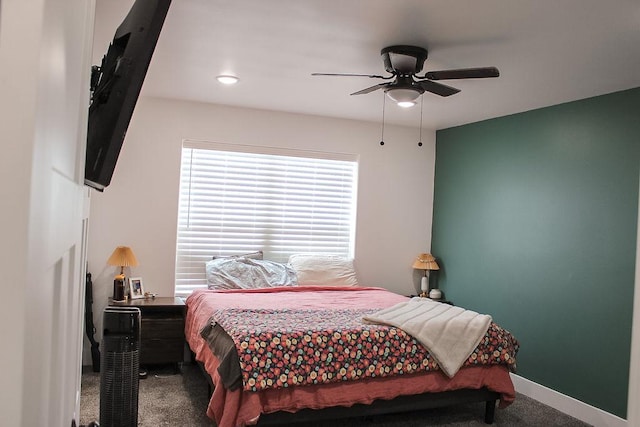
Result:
263,373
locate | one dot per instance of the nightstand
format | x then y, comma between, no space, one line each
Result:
444,301
162,329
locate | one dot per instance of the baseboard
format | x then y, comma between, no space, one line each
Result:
566,404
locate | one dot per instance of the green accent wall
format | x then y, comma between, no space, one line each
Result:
535,218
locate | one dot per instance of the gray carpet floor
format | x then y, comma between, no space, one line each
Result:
167,399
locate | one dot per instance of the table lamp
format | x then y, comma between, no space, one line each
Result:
123,257
427,263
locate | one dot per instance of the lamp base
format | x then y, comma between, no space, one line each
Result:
424,285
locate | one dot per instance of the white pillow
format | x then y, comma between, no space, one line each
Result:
247,273
251,255
323,270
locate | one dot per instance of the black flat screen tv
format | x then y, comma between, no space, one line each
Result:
115,87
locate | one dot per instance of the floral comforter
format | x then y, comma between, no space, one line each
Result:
287,347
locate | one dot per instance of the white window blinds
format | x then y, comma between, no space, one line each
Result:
239,199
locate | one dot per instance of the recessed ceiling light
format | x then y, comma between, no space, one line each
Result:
227,79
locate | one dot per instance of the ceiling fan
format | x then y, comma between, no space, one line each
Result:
404,63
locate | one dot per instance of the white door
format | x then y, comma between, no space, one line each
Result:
45,54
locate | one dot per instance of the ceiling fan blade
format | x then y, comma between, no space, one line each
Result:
438,88
370,89
373,76
463,73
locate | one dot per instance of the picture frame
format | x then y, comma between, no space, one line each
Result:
136,288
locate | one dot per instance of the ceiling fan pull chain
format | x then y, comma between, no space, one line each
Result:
421,110
384,100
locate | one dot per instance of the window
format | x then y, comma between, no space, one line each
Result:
238,199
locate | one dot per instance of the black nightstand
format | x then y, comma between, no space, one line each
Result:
162,329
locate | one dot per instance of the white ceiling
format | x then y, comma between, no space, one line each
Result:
548,52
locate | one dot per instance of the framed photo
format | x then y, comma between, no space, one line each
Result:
136,288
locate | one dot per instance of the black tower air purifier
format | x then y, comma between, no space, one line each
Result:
119,367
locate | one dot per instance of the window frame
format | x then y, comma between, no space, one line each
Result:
186,279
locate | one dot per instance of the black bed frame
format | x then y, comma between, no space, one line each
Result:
379,407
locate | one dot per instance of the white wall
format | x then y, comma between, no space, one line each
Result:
139,208
633,409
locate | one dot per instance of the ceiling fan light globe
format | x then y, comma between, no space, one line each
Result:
406,104
404,97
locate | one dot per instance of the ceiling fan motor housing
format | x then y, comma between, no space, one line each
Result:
404,59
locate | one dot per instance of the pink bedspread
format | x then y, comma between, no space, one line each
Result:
233,408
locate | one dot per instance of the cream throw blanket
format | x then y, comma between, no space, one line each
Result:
449,333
